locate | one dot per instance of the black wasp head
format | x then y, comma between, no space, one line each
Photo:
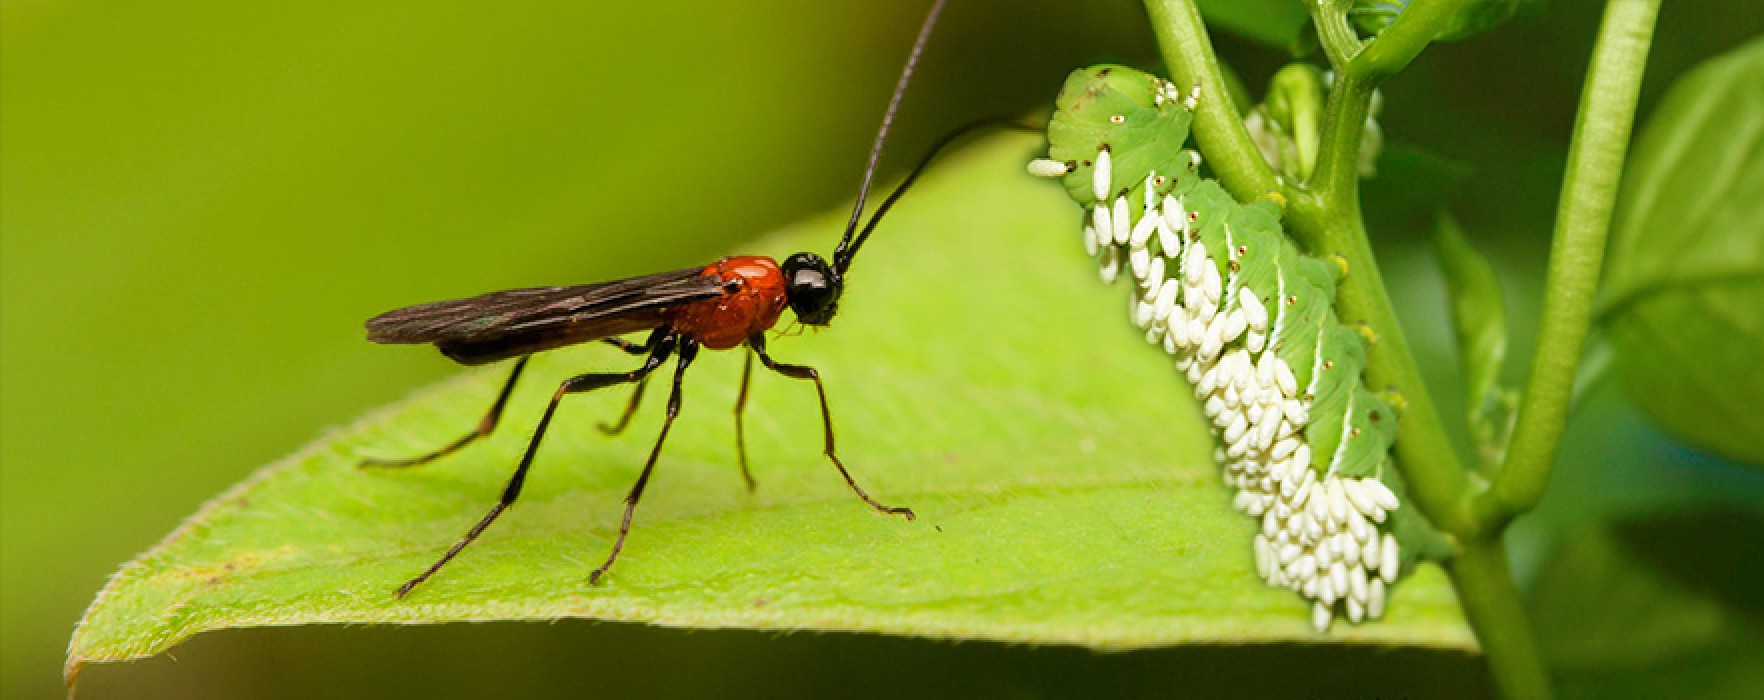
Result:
812,288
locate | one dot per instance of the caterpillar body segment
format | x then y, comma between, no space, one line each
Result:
1249,320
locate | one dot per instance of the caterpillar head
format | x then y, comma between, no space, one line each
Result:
1141,120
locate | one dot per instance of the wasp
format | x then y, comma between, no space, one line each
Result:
727,304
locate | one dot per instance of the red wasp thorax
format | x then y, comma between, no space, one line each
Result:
729,320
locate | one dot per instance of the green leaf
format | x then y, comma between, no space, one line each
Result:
1413,184
1685,295
978,373
1479,317
1475,18
1287,126
1711,550
1276,23
1587,578
1649,607
1640,563
1294,108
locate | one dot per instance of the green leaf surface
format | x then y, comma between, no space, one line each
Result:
1640,564
1275,23
1588,578
1413,183
1295,100
1479,319
1473,19
1648,607
1685,295
978,373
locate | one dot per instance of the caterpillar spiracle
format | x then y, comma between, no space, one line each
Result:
1249,321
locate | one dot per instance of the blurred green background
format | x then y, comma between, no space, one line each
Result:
200,202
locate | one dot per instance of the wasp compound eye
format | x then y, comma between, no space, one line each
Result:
812,288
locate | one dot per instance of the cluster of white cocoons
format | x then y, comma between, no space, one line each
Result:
1321,536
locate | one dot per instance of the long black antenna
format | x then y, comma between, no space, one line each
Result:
919,169
842,254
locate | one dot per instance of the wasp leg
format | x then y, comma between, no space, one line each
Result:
485,426
636,394
803,372
688,351
616,427
740,432
628,346
662,348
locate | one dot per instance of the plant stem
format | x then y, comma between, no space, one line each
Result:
1491,603
1326,218
1218,128
1403,40
1328,221
1583,218
1340,43
1324,215
1435,477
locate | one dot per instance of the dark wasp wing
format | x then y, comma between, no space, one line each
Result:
516,322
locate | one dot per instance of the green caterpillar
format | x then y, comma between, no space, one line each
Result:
1250,321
